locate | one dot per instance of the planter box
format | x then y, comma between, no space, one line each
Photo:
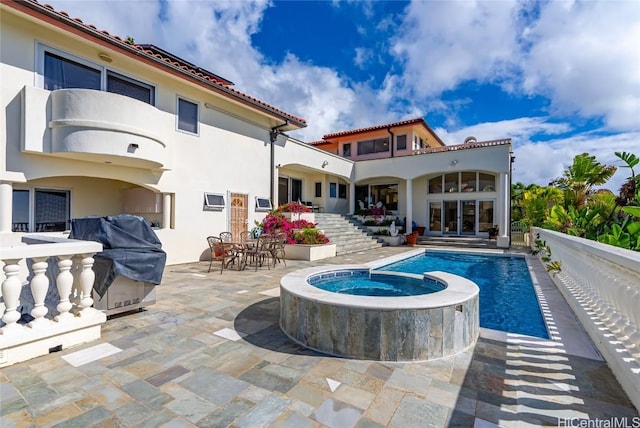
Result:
309,252
393,241
310,217
374,229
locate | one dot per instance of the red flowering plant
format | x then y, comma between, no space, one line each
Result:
294,207
297,231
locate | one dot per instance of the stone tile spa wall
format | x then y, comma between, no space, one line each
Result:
408,328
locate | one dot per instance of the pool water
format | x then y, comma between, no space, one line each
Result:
378,285
507,299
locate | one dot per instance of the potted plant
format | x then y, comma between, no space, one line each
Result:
412,239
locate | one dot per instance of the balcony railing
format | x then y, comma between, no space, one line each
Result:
601,283
57,275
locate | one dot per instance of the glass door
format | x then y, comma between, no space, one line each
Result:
451,217
435,217
468,217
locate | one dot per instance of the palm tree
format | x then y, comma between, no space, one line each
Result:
578,180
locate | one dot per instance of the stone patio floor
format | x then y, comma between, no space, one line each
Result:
210,353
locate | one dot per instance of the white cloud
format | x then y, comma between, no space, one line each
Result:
363,55
584,56
445,43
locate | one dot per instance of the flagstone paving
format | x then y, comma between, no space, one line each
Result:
210,353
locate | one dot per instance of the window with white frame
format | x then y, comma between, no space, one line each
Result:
214,201
187,116
41,210
60,70
263,204
123,85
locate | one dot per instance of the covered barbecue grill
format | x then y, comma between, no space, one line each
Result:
130,265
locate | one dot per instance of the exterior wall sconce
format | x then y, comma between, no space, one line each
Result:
105,57
132,147
454,162
325,163
278,166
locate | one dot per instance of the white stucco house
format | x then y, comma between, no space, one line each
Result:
95,125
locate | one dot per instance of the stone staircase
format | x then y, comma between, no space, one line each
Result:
348,236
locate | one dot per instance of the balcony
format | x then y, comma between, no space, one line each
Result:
95,126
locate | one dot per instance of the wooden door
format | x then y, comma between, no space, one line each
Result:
239,213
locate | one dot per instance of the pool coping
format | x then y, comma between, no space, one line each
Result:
458,290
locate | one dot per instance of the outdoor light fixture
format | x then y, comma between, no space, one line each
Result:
103,56
325,163
454,162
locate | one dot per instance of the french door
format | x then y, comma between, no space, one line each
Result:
460,217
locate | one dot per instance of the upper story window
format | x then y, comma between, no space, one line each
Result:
464,181
373,146
63,71
418,143
125,86
346,150
401,142
187,116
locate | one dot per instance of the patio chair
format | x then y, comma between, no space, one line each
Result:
220,251
257,254
277,248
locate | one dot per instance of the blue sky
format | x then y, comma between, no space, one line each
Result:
558,77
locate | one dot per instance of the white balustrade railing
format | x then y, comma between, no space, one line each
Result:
602,285
47,267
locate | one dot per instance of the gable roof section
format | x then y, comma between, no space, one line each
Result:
152,55
416,121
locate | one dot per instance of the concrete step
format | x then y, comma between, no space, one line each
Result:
348,237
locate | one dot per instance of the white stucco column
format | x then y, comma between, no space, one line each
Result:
352,198
6,206
409,206
166,210
504,205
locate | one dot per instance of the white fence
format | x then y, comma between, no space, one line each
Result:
601,283
53,281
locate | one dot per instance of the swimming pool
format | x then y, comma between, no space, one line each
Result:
507,298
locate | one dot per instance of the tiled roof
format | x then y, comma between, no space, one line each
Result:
154,54
318,142
376,128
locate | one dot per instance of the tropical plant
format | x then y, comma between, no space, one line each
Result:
578,180
537,203
309,236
